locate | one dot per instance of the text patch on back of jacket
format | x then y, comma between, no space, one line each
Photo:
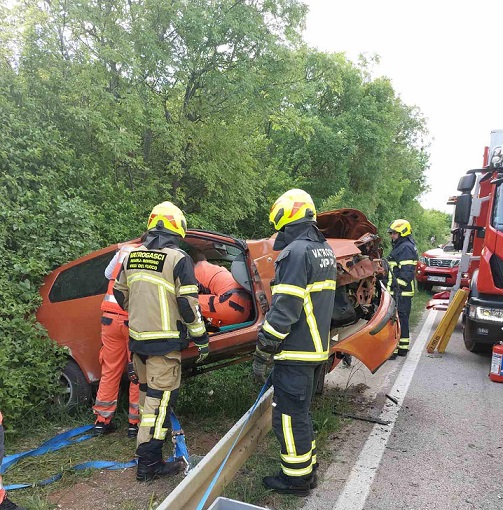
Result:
151,260
324,257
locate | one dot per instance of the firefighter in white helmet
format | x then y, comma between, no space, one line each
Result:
296,335
401,277
158,288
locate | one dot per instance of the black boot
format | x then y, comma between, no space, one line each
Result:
148,470
285,485
403,352
101,428
132,430
7,504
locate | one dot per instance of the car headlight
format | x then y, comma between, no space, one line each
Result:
455,263
424,260
485,314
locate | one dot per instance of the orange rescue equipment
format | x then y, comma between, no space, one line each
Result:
224,301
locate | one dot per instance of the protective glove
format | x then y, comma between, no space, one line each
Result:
204,350
259,365
133,377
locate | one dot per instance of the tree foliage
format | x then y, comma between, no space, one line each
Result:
111,107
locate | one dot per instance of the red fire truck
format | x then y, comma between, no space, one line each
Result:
479,214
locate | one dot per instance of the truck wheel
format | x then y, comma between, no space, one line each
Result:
472,346
76,389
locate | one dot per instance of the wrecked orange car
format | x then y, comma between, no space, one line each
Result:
364,321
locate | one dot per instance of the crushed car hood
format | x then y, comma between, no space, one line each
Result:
345,224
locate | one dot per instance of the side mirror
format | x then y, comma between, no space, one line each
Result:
458,236
466,183
463,208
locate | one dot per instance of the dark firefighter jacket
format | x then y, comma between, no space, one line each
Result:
158,288
402,267
297,326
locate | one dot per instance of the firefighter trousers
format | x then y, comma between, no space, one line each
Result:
159,378
404,307
291,418
114,355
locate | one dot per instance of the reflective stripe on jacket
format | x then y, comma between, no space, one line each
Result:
302,299
402,267
160,293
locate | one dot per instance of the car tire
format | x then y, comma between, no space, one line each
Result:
425,286
320,383
76,388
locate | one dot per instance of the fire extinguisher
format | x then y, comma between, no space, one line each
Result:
496,373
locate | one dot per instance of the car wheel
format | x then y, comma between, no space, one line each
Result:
76,389
425,286
320,383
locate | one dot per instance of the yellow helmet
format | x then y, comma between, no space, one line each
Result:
169,216
401,227
294,206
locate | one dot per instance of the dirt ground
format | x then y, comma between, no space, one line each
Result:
119,490
114,490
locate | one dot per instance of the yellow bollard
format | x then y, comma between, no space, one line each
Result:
446,326
460,300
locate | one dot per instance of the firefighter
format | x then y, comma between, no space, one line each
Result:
296,334
222,300
5,502
158,288
401,282
114,355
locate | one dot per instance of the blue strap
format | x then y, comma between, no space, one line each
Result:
53,444
65,439
217,474
179,437
96,464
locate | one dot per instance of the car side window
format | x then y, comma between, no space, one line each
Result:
84,280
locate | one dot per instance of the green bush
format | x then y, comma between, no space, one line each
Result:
41,226
30,365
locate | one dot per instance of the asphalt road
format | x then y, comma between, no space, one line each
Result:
443,446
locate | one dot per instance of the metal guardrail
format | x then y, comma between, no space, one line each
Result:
188,494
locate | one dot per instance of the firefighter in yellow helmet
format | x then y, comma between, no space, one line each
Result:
401,277
295,334
158,288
